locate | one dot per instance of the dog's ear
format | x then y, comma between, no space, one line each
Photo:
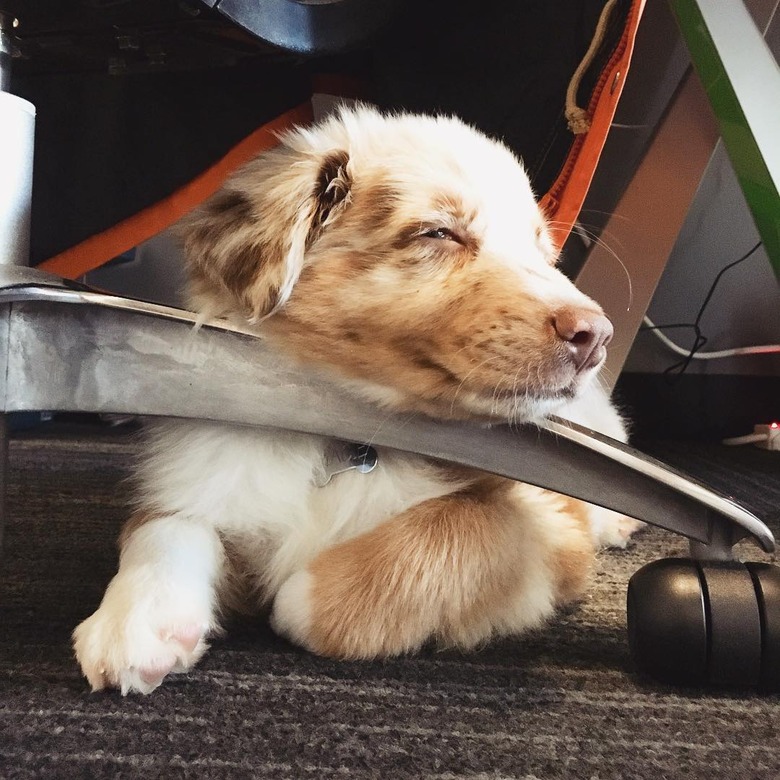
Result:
250,239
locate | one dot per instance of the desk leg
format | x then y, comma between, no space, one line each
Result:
3,476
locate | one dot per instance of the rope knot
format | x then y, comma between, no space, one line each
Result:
577,117
578,120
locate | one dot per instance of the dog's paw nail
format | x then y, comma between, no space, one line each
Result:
96,680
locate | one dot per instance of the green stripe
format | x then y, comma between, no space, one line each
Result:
749,165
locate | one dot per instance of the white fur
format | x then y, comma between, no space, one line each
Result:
157,610
257,489
291,616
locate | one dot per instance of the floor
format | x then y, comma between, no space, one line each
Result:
562,702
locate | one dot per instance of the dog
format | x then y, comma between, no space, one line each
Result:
406,256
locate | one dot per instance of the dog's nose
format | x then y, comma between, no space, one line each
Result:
586,333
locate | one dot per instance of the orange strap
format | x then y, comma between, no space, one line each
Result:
98,249
563,201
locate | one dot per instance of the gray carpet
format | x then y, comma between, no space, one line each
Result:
564,702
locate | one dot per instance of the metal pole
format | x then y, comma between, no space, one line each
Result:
17,132
3,477
17,129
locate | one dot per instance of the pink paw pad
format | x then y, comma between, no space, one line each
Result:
154,673
187,636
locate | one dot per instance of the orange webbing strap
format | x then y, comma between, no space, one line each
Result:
563,201
99,249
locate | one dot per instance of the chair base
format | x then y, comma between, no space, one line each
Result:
67,348
72,349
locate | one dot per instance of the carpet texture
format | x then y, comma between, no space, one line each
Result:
563,702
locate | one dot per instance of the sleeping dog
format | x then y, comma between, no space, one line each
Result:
406,256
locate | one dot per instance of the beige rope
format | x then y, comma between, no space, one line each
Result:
578,118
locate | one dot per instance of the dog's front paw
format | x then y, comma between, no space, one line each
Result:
133,644
610,529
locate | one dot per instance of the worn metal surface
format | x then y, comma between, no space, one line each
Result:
17,130
7,23
69,350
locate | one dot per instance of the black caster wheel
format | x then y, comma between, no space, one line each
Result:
706,623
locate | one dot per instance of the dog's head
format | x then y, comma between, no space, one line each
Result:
408,254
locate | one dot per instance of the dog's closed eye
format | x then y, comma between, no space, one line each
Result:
446,238
441,233
454,238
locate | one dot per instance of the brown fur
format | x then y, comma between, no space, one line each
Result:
571,570
443,569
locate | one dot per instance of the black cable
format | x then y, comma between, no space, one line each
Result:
699,338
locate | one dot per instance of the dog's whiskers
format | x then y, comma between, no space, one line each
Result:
465,379
599,241
610,214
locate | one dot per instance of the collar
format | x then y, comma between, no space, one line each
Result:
341,456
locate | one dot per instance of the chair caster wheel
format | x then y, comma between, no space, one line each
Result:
696,622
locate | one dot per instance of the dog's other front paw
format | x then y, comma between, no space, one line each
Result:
134,646
344,622
291,614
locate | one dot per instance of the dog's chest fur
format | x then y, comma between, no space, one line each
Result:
263,491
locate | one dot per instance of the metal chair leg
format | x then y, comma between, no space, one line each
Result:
3,477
